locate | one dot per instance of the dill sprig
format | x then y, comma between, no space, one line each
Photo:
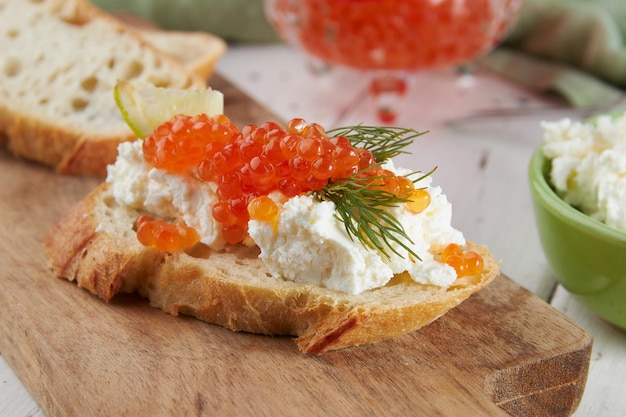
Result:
383,142
363,209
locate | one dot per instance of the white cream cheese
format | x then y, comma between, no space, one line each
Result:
308,243
137,184
589,166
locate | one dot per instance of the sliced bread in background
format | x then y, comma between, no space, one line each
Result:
197,51
60,62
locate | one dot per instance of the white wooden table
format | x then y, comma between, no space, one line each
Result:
482,167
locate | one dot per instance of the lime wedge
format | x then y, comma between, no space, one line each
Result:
145,106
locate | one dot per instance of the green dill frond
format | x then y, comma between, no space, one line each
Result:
364,212
384,142
363,209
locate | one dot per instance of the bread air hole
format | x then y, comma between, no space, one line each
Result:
133,69
79,104
12,67
89,84
200,251
160,82
70,13
399,279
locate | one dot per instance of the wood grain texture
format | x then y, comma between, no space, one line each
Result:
502,352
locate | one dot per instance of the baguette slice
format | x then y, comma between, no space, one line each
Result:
197,51
94,244
60,62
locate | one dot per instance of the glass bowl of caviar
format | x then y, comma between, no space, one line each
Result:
390,40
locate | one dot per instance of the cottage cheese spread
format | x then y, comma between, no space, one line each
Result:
589,166
137,184
308,243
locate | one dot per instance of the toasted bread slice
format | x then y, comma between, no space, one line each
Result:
60,63
94,244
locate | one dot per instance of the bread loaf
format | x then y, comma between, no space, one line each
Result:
95,245
60,62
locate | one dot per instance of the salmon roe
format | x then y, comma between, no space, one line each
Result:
250,163
419,200
465,263
393,34
165,236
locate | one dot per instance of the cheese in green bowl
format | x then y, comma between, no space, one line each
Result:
577,180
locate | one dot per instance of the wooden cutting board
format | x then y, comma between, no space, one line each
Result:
502,352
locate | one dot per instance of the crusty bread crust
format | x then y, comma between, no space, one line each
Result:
52,144
61,61
94,244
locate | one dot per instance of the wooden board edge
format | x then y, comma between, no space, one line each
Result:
552,384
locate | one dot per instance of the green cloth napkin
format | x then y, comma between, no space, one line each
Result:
572,47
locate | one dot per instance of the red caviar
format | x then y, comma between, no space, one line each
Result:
263,208
393,34
419,200
251,163
181,143
165,236
463,262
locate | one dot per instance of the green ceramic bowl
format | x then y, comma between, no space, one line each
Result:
587,256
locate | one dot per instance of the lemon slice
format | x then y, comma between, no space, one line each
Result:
145,106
